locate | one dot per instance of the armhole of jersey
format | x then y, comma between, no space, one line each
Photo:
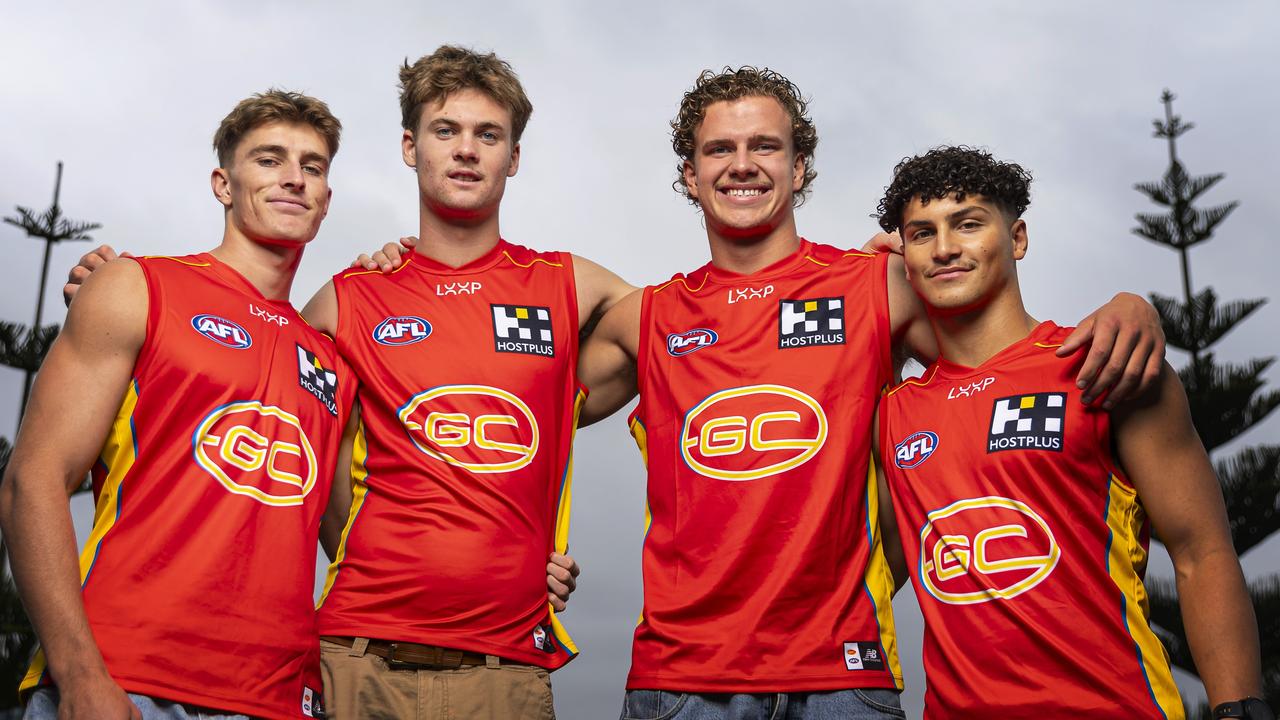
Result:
575,314
340,329
880,295
152,331
642,348
1102,430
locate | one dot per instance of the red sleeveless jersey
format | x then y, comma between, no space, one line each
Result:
469,398
1027,545
198,572
762,564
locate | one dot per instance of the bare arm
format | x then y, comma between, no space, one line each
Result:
1158,448
599,289
890,540
321,312
340,494
62,433
89,262
607,360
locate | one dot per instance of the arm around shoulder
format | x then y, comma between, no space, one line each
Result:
321,312
607,360
909,329
599,289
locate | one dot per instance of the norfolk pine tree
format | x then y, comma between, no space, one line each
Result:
1226,399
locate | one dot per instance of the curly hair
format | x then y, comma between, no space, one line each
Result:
271,106
728,85
954,171
434,77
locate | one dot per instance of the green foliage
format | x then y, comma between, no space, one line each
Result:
17,642
23,349
1226,400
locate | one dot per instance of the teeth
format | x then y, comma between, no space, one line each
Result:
741,192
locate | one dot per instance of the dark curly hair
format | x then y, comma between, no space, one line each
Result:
954,170
728,85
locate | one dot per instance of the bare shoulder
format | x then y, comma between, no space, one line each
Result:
112,303
321,311
599,288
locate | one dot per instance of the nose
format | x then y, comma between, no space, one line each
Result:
465,149
742,166
292,177
945,248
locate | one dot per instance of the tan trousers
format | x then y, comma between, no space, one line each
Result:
360,686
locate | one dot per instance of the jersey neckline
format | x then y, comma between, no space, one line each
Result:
1037,339
784,266
232,276
480,264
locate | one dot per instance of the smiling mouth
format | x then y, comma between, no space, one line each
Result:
289,204
950,271
744,192
464,177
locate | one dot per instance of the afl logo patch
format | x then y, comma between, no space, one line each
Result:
222,331
401,330
915,449
686,342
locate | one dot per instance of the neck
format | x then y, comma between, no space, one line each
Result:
973,337
452,242
269,268
750,253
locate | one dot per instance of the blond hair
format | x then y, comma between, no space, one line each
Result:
434,77
275,105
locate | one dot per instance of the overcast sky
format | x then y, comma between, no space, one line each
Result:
129,95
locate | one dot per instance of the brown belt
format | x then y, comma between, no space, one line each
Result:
413,655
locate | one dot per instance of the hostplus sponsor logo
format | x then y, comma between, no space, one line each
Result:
915,449
970,389
317,379
523,329
816,321
686,342
222,331
458,288
1028,422
737,295
400,330
267,315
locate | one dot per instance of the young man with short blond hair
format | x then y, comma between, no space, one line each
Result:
209,412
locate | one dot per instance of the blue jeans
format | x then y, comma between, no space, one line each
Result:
856,704
43,705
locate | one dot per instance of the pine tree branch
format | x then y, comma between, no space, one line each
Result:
1251,488
1225,399
1198,326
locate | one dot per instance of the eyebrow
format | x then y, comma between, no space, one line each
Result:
759,137
268,150
962,212
482,125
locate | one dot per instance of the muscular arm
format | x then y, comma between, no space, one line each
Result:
340,494
1158,448
598,290
66,424
607,360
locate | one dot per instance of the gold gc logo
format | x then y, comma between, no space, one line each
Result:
258,451
986,548
752,432
477,427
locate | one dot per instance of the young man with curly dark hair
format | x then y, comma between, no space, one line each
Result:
1025,513
766,589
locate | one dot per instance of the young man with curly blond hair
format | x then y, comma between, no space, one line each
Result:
1025,513
193,593
766,586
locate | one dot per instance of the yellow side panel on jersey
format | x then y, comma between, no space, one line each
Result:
118,455
562,520
642,442
1126,561
879,578
359,490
